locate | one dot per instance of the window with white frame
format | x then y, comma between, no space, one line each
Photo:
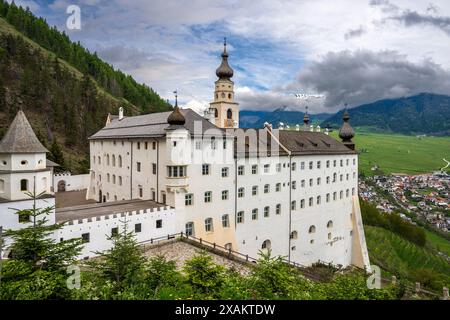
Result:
311,201
294,205
302,183
240,217
225,221
208,196
318,181
266,211
319,199
176,171
311,165
241,192
278,167
302,165
198,145
294,166
254,190
278,209
189,229
312,229
294,185
188,199
241,170
311,182
208,224
353,191
266,188
334,163
347,193
328,179
255,214
278,187
224,172
327,197
334,195
318,164
341,194
302,203
254,169
225,195
328,163
205,169
266,168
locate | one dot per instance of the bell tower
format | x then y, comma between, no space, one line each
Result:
224,111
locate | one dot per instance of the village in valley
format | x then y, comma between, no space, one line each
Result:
424,197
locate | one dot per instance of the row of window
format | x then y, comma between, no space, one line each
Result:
266,169
209,226
189,197
115,231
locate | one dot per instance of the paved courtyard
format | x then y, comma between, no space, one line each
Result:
71,199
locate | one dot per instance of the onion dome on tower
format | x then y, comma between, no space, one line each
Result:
176,118
346,132
224,71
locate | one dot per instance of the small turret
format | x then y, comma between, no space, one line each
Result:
346,132
176,118
306,120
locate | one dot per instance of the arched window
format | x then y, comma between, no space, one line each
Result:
107,177
330,224
99,160
120,180
107,159
114,179
44,183
229,114
24,185
2,185
120,161
113,160
294,234
266,245
189,229
216,113
312,229
229,96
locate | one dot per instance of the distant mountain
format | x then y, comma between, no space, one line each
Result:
425,113
256,119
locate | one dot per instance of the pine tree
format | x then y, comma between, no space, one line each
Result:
123,264
56,155
35,246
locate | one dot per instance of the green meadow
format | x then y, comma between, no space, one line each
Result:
394,153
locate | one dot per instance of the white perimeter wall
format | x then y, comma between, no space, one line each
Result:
73,183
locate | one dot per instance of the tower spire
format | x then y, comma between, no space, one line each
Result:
176,98
306,117
224,71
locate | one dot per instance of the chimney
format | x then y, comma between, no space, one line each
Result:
120,113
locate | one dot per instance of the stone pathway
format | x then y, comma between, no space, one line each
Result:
180,251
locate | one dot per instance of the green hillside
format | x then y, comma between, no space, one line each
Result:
65,91
405,259
400,153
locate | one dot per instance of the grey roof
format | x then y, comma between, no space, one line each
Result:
99,209
308,142
151,125
20,137
51,164
297,142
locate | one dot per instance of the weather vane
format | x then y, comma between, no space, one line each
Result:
176,98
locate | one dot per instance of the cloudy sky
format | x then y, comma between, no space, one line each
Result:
354,51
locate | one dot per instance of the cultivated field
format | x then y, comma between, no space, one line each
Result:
394,153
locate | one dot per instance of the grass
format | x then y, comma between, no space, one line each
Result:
438,242
400,256
394,153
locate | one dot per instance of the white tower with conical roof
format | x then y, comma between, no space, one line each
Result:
23,163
